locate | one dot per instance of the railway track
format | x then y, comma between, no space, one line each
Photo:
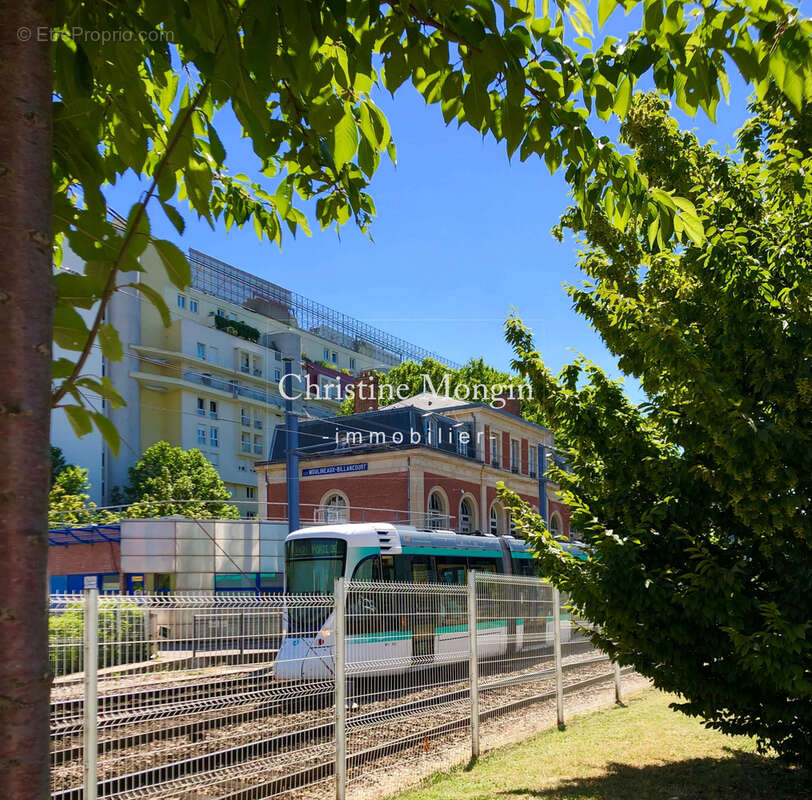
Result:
64,711
198,766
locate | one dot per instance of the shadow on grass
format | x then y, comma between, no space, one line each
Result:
738,776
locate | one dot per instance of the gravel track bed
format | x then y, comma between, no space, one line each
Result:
255,723
169,679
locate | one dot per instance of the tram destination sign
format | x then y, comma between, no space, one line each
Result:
335,469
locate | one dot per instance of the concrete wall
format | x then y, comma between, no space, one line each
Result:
195,550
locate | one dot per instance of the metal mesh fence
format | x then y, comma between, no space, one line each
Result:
245,697
189,703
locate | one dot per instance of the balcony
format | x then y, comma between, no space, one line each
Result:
233,388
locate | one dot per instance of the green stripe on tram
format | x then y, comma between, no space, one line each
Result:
480,626
379,637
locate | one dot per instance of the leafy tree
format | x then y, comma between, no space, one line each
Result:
58,463
69,502
166,478
696,506
430,373
83,111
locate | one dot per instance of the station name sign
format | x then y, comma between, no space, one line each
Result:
312,471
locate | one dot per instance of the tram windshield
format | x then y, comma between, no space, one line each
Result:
312,565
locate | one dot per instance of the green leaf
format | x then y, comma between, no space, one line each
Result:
156,299
217,150
175,263
79,419
110,343
76,290
70,330
605,8
61,368
623,97
174,217
693,227
663,198
108,431
104,388
138,231
345,138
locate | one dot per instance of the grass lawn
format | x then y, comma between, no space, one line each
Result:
642,752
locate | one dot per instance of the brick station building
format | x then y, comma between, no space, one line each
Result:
430,460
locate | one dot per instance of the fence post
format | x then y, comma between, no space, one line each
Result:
618,688
341,688
473,669
559,676
91,698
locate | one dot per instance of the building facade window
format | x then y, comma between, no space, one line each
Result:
258,445
249,492
277,375
326,354
245,442
437,512
494,521
514,455
245,363
467,515
494,449
213,409
556,528
258,422
531,460
201,350
335,357
462,444
201,406
220,312
214,440
333,508
181,301
245,418
257,367
201,436
193,305
352,363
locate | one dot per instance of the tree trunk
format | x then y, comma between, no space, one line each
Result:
26,310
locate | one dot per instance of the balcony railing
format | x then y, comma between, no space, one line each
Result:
233,388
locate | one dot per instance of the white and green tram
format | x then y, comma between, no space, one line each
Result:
394,632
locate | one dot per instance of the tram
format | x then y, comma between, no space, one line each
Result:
400,630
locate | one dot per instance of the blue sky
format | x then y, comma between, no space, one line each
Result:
462,237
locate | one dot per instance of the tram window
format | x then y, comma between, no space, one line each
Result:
451,570
486,564
420,572
388,568
524,566
368,570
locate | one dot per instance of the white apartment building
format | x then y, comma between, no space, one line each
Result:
200,383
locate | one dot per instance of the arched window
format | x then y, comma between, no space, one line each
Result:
556,528
437,510
333,508
495,519
467,516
